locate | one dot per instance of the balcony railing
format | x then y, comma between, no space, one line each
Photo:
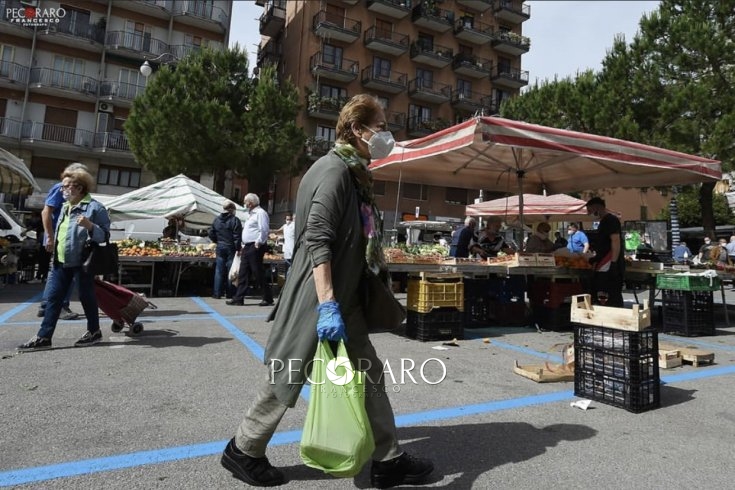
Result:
181,51
385,41
271,51
432,17
338,27
511,43
325,107
13,72
421,126
317,146
396,120
201,9
429,90
10,128
47,77
471,66
431,54
514,11
334,68
473,31
111,141
396,9
81,30
390,81
163,4
38,131
120,90
134,41
509,77
273,18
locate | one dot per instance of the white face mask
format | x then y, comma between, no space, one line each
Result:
381,144
66,193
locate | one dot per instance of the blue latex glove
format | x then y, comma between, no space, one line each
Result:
330,325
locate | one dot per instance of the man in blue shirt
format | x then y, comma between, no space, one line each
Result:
578,242
461,239
50,216
681,253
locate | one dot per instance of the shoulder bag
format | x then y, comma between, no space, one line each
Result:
100,259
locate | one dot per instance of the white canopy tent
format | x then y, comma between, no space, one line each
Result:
15,176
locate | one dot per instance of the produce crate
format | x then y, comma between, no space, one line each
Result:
552,294
687,282
439,324
507,289
556,319
504,314
617,367
688,313
435,291
476,312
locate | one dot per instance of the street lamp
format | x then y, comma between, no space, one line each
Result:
146,69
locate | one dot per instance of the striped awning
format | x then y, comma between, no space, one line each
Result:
178,196
15,176
557,207
497,154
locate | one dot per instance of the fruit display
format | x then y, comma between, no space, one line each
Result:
573,261
415,254
137,248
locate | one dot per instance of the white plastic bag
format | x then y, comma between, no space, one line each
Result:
234,270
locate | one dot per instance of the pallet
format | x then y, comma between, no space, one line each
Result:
691,355
544,373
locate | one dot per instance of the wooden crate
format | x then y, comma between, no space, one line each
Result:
633,320
668,359
691,355
545,373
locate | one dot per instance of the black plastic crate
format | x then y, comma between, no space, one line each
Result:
476,311
508,289
617,367
438,324
504,314
556,319
688,313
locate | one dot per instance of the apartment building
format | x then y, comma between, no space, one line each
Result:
432,63
69,71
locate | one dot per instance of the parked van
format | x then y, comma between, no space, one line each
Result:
10,228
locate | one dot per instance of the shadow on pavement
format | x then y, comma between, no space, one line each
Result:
170,338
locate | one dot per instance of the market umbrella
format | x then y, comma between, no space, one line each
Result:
557,207
15,176
178,196
497,154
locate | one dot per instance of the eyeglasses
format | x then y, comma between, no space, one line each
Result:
69,186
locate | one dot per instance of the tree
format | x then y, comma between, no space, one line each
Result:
206,114
690,209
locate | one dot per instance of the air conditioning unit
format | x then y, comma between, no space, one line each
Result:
104,107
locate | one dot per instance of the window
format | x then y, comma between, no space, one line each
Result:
383,29
381,68
332,55
48,168
379,187
419,113
68,72
464,88
120,176
75,21
425,42
424,78
417,192
137,36
131,83
503,65
326,133
6,57
455,195
191,40
332,91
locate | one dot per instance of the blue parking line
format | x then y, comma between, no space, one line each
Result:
517,348
157,456
700,343
252,345
17,309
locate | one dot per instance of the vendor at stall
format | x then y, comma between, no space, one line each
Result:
491,241
539,241
463,239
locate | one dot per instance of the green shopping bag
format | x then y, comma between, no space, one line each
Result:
337,437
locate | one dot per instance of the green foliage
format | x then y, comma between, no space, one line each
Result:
206,114
690,209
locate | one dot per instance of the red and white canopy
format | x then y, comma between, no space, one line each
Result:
555,207
497,154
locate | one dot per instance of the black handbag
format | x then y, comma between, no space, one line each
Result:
382,310
100,259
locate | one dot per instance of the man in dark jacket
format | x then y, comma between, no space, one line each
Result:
226,232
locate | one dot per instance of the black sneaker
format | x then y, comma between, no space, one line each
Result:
36,343
67,314
400,470
234,302
41,312
253,471
89,339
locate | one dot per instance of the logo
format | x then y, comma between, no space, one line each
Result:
345,368
34,16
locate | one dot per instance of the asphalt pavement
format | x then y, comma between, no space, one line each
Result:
155,410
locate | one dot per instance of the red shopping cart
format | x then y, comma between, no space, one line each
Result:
121,304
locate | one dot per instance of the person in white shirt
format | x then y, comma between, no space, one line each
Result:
288,230
254,245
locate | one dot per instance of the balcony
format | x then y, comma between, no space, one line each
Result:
142,45
429,91
10,128
419,126
336,27
472,66
11,73
511,43
316,147
273,19
325,107
161,9
54,135
432,18
431,54
468,101
513,11
395,9
504,76
120,93
9,22
181,51
200,13
115,141
473,31
476,5
269,53
392,82
396,121
57,82
333,68
79,34
382,41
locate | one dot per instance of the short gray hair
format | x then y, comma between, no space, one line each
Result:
227,205
75,166
252,199
469,220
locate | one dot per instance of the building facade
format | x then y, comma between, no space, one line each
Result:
69,71
432,63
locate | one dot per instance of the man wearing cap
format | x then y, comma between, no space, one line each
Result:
226,232
609,261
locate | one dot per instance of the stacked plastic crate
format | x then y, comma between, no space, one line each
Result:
494,301
616,362
688,305
550,301
435,304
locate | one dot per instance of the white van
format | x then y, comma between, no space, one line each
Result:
9,225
